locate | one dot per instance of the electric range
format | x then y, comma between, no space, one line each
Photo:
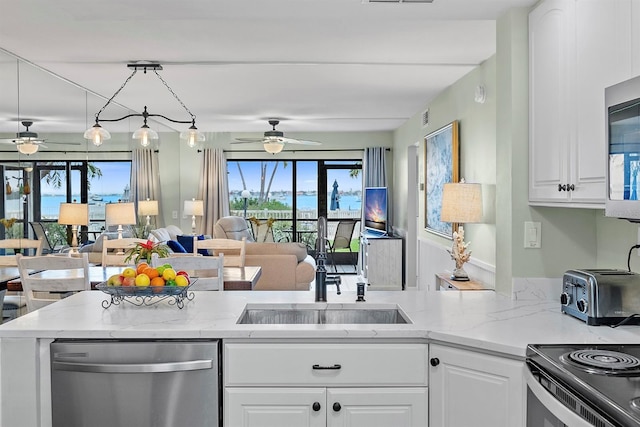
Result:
600,383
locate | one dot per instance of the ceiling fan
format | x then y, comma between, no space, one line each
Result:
274,140
27,142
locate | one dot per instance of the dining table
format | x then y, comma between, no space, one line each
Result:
235,278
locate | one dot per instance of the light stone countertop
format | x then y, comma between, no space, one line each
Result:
478,319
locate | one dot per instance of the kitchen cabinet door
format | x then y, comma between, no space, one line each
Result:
576,50
603,58
373,407
551,44
275,407
467,388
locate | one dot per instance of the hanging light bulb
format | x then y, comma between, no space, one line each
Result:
8,187
97,134
145,134
26,189
192,135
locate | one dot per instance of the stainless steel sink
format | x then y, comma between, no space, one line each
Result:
318,314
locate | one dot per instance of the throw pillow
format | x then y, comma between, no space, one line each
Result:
176,247
187,243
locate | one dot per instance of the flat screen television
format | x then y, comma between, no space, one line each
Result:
623,141
375,210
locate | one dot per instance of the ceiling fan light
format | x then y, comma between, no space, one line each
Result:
27,148
145,134
273,146
97,134
192,136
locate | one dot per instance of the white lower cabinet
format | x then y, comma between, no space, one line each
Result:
467,388
320,407
325,384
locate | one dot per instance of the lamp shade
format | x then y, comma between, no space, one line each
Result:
27,148
273,146
461,203
194,207
147,207
120,214
73,214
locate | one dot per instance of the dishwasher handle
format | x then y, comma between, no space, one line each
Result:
134,368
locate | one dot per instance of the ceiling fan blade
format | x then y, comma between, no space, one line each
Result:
300,141
240,140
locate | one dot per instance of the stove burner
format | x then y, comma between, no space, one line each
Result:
602,361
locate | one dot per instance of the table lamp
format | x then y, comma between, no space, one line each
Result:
120,214
73,214
148,208
194,208
246,194
461,203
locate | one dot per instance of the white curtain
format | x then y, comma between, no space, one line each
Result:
213,188
145,179
374,173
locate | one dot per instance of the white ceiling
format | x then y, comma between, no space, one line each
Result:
319,65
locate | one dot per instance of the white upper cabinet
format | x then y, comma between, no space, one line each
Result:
576,49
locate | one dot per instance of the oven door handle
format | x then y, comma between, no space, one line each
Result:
553,405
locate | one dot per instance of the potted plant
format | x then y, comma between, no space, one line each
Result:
144,251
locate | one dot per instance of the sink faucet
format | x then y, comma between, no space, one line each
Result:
321,257
322,280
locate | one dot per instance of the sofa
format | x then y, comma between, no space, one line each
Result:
285,266
94,249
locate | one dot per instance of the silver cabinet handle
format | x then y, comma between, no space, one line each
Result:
134,368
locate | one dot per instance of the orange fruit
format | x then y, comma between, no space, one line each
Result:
151,272
156,284
140,267
157,281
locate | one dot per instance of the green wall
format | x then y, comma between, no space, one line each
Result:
494,151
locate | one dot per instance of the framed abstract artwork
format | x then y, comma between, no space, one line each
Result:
441,167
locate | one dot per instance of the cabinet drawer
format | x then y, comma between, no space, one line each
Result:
248,364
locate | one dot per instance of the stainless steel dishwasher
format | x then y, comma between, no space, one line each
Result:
135,383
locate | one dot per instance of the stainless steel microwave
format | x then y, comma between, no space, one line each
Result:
623,148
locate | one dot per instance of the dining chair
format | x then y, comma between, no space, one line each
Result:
17,245
114,250
14,304
74,277
234,250
208,270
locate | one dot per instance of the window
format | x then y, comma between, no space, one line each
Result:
54,182
279,188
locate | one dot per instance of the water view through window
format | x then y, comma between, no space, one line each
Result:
311,189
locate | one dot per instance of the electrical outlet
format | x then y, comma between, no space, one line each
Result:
174,214
532,235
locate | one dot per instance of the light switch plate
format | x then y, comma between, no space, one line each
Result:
532,235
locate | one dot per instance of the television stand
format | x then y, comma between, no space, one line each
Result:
381,261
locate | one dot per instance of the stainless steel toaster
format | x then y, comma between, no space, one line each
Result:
601,296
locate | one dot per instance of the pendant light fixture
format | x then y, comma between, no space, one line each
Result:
97,134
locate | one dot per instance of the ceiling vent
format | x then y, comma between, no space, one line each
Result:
425,118
397,1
